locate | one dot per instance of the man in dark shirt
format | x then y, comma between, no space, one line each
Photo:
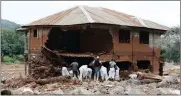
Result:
97,67
74,66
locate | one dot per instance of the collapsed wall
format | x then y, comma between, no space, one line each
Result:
40,67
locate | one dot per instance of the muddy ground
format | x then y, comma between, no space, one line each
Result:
107,87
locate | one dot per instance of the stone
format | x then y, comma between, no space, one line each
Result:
169,91
132,91
118,90
36,91
23,91
31,85
59,91
79,91
167,81
134,81
6,92
27,91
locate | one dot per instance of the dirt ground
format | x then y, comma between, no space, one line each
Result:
107,87
9,71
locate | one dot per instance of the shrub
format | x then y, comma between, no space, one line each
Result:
8,59
17,62
19,57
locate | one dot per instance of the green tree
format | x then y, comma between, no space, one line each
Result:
171,44
12,43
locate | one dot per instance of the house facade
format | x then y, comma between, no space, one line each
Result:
85,31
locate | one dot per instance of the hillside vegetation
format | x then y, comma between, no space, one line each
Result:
12,43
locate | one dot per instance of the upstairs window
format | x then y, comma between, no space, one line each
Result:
35,33
144,37
124,36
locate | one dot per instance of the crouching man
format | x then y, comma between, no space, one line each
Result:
103,71
64,70
117,76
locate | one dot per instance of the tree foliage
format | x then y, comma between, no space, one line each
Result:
12,43
171,44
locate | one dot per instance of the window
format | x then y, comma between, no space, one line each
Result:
35,33
124,36
144,37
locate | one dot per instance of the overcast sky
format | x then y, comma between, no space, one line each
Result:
24,12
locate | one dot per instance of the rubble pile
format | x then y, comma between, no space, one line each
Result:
41,68
18,82
124,74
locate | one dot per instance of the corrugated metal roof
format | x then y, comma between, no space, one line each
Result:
85,14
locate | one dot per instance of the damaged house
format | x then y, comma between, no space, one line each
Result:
83,32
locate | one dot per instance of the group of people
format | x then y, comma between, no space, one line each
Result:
98,70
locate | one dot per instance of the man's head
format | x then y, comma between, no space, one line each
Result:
112,59
97,57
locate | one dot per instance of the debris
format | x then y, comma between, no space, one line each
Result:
53,79
23,91
6,92
41,67
169,81
132,91
18,82
148,81
59,91
169,91
133,76
150,76
124,74
80,90
118,90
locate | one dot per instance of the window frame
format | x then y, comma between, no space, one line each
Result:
123,40
36,33
144,41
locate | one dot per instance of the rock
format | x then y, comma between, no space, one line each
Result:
31,85
167,81
36,91
59,91
149,89
176,92
6,92
79,91
169,91
134,81
171,79
23,91
147,81
118,90
132,91
27,91
133,76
